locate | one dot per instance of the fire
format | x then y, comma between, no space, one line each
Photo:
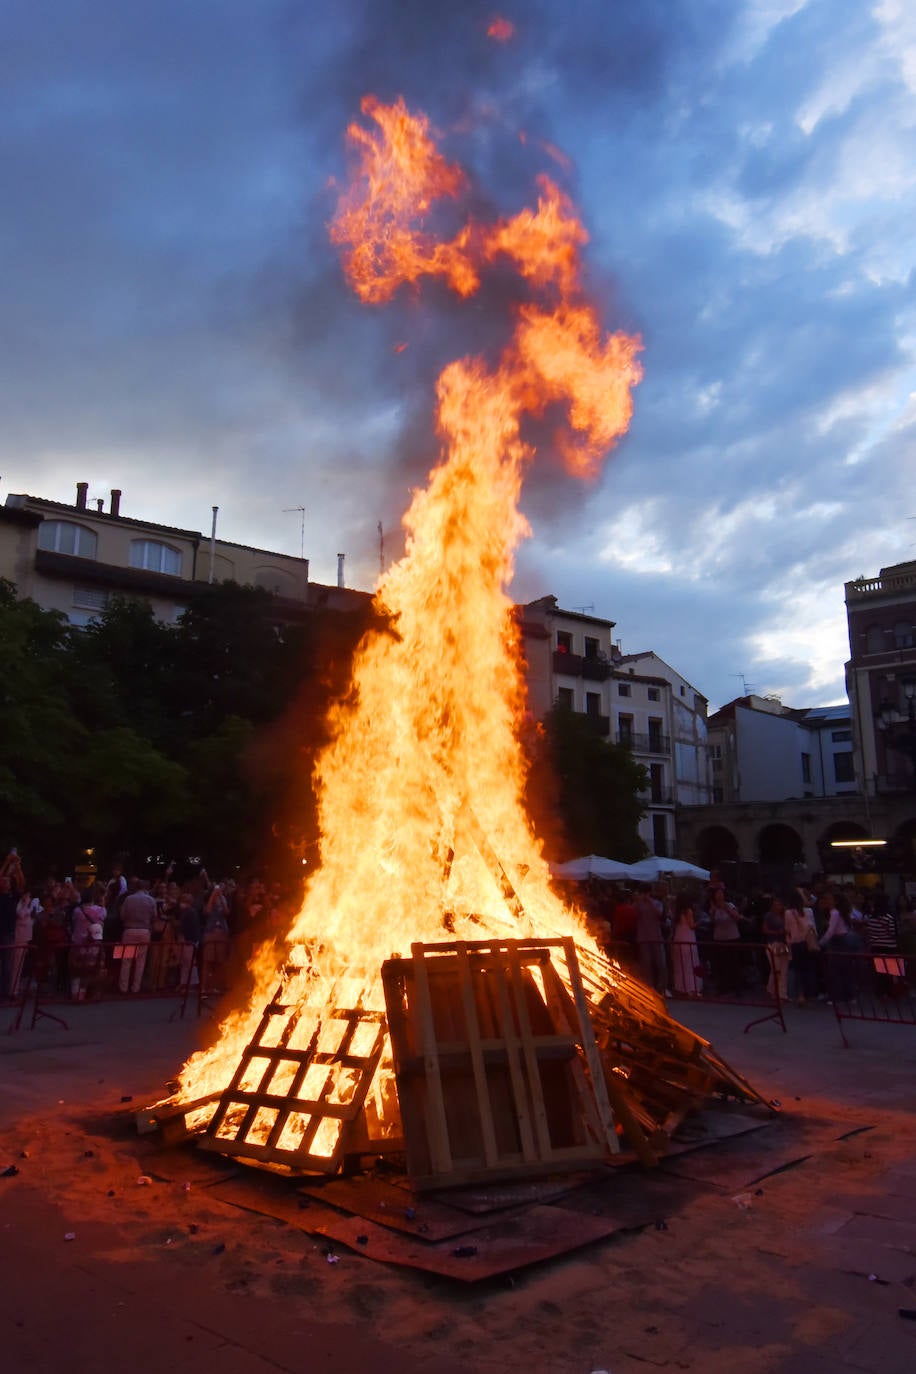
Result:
422,782
500,29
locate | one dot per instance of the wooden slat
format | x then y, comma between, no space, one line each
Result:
516,1077
436,1122
488,1132
590,1049
539,1111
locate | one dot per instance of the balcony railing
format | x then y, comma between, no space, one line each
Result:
871,586
644,744
600,724
576,665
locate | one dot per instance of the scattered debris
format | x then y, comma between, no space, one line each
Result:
218,1249
144,1181
23,1154
661,1225
71,1235
744,1201
464,1251
362,1240
186,1187
9,1172
128,1097
332,1259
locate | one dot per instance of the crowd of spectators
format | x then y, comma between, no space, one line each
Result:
129,934
712,942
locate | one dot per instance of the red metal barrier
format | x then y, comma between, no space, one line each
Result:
54,975
871,985
733,973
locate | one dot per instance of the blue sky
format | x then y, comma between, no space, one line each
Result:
174,321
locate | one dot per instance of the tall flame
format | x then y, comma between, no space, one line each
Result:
422,781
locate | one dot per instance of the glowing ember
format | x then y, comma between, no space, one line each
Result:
500,30
424,770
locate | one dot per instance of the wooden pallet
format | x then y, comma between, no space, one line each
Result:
497,1068
296,1100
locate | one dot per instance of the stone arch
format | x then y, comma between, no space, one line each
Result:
904,846
716,845
779,843
830,858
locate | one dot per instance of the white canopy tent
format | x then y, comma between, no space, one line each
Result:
654,867
592,866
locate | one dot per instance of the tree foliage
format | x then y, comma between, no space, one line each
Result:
583,791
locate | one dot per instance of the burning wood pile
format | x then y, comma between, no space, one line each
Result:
505,1044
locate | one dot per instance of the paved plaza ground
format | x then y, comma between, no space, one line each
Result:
165,1277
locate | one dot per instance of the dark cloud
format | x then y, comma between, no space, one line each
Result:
176,321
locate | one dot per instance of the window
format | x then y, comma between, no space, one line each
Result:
806,767
155,557
625,730
903,635
874,640
656,739
716,750
90,598
591,647
683,690
654,694
63,536
657,781
623,689
843,770
841,737
593,703
660,835
564,642
565,698
717,794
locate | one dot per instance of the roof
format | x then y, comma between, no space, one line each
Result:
548,605
72,511
650,653
810,716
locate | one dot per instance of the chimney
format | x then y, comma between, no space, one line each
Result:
115,501
340,573
81,489
99,504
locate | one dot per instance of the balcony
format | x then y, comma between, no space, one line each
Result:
575,665
600,724
644,744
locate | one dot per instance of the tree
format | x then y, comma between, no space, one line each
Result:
582,791
42,740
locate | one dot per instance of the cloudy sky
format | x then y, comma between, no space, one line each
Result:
174,321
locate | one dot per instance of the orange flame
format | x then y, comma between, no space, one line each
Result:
424,756
500,30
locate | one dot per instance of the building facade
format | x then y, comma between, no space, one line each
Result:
763,751
74,558
881,679
634,700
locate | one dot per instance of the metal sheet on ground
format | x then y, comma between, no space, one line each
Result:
387,1204
506,1244
708,1128
498,1197
509,1242
788,1142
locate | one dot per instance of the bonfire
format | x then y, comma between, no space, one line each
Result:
426,849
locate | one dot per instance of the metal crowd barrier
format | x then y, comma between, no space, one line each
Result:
728,972
871,985
39,975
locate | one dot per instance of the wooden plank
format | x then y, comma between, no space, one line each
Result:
513,1047
436,1122
590,1049
485,1111
539,1110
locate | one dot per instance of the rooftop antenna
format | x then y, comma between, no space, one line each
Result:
746,689
381,550
585,610
290,510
